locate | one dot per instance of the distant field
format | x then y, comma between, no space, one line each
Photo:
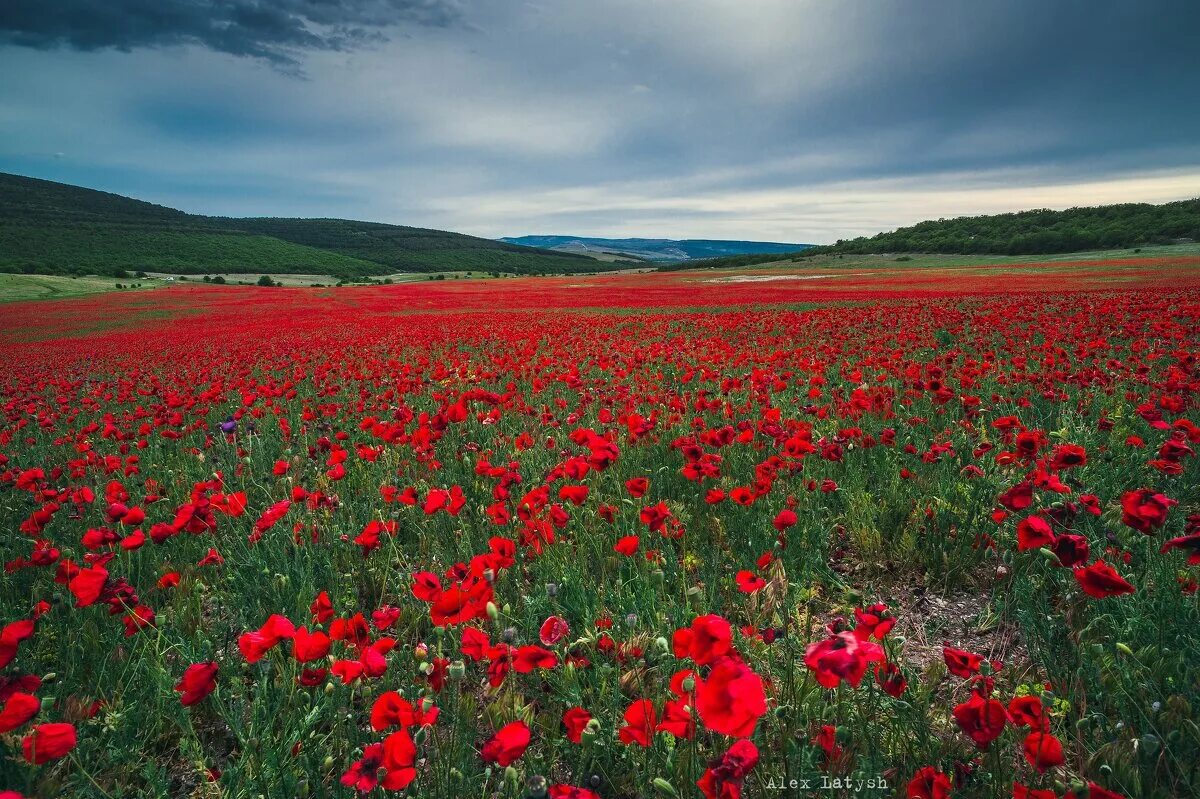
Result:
14,288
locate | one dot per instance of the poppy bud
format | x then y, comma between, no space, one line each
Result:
328,688
507,609
665,787
455,774
426,668
327,763
420,735
1124,649
421,652
662,644
510,777
492,611
51,677
657,576
302,788
1049,555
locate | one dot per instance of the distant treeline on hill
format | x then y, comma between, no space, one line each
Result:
1038,232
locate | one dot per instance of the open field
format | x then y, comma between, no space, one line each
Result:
936,530
14,288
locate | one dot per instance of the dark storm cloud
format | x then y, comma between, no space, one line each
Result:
275,30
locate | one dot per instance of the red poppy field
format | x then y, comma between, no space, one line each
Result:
926,533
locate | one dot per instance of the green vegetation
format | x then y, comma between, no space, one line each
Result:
54,228
14,288
1041,232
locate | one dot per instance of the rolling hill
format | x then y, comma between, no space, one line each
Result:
661,250
55,228
1037,232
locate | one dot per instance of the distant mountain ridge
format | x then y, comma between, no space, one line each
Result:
659,250
56,228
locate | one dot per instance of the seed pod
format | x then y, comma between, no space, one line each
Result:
665,787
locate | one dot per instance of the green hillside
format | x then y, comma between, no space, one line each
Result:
54,228
1040,232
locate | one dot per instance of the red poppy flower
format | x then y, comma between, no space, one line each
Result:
1189,543
530,657
1043,750
198,681
571,792
872,622
390,764
928,783
731,699
307,647
393,710
575,721
628,545
1028,711
890,679
1145,510
507,745
982,719
553,630
639,725
18,709
710,637
724,777
87,585
1034,532
11,637
961,663
1099,580
254,645
48,742
637,487
749,583
678,719
843,656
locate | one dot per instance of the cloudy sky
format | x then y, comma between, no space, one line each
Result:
796,120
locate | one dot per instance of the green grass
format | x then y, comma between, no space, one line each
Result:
15,288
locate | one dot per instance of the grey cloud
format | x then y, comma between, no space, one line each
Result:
273,30
501,117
